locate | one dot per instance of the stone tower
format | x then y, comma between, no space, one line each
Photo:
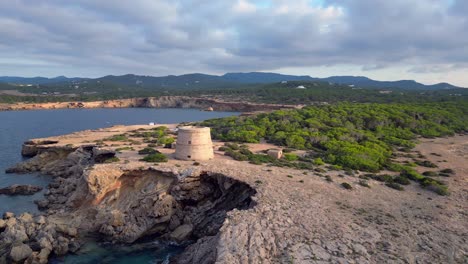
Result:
194,143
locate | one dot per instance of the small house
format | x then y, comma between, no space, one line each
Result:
275,153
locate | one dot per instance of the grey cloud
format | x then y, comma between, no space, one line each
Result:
170,37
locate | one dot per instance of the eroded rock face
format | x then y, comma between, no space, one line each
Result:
125,205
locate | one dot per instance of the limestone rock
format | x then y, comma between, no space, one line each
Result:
20,252
40,220
181,233
8,215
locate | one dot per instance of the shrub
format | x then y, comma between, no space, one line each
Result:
290,157
147,151
166,140
111,160
260,158
123,148
394,167
222,148
383,178
196,163
430,173
236,155
401,180
328,178
318,162
121,137
426,163
437,188
152,145
411,174
444,174
288,150
245,151
157,157
395,186
448,171
347,186
232,146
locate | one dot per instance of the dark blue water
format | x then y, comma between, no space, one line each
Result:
19,126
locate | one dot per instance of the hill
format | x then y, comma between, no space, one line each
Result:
204,81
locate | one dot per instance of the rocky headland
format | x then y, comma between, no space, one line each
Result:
154,102
230,211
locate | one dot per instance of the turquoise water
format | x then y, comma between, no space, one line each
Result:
19,126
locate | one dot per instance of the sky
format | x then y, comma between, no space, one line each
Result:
424,40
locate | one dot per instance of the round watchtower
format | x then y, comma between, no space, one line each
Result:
194,143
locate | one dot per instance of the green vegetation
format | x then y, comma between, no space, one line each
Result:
354,136
111,160
447,171
156,157
350,136
290,157
426,163
346,185
395,186
120,137
147,151
123,149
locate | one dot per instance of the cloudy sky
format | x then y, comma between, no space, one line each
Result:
426,40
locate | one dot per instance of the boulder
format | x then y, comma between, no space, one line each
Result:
17,189
8,215
2,223
44,242
25,218
181,233
40,220
15,233
44,254
20,252
61,246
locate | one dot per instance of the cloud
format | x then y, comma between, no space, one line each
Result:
179,36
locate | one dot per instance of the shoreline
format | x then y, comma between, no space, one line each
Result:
290,215
153,102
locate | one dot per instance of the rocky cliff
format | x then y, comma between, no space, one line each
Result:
155,102
235,212
123,204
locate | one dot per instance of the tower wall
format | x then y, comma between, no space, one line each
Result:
194,143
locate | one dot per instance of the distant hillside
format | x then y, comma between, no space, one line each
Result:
231,80
37,80
403,84
263,77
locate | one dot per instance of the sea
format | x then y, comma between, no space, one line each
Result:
19,126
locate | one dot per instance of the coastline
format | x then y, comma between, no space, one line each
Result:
153,102
285,214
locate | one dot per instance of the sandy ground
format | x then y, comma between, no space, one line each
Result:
300,217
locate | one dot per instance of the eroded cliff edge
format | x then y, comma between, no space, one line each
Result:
125,203
279,215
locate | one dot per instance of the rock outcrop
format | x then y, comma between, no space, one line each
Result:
20,190
28,239
124,204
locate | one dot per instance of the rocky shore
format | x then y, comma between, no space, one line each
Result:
231,211
154,102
